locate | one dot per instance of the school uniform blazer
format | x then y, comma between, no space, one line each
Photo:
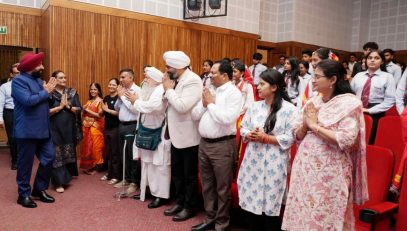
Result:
182,129
31,109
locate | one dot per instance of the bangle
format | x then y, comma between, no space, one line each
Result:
317,129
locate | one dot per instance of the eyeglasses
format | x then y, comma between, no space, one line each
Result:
316,76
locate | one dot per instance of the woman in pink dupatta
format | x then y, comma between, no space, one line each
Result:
329,170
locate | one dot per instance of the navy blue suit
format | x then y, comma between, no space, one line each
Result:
32,132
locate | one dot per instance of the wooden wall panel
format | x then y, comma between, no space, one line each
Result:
7,58
45,45
189,41
295,49
160,38
94,46
214,46
236,47
23,27
250,47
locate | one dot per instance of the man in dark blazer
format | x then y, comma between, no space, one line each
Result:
32,129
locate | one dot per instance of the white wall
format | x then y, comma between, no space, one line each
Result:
341,24
322,22
308,21
242,15
268,19
388,23
27,3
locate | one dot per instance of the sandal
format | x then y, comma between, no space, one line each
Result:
113,181
104,177
60,189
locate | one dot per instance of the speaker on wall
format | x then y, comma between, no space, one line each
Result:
194,4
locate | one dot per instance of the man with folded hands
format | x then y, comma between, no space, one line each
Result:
217,148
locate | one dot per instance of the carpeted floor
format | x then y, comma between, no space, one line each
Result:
88,204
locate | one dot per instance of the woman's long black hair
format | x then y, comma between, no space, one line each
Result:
295,70
273,77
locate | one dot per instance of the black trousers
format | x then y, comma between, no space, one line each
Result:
376,118
8,117
114,168
133,168
184,172
263,222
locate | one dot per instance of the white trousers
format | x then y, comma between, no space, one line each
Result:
157,177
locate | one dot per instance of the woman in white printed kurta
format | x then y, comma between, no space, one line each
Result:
262,180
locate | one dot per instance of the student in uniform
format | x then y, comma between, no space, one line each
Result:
376,88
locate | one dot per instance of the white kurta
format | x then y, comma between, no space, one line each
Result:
155,165
247,95
262,180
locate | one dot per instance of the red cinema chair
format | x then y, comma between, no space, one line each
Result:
375,214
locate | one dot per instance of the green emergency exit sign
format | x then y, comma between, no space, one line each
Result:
3,30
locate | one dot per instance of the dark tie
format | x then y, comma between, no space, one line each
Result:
254,70
366,90
204,81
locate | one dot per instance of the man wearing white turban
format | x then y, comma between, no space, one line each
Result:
183,90
155,165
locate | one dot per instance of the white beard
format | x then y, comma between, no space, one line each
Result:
146,91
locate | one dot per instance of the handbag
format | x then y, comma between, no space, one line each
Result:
148,138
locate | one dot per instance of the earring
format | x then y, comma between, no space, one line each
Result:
330,87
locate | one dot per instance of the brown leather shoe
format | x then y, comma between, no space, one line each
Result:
174,210
184,215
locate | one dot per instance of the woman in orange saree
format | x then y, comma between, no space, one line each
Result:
93,125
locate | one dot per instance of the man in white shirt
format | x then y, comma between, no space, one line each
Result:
280,67
401,93
127,129
352,61
217,147
257,68
306,57
6,114
391,67
183,90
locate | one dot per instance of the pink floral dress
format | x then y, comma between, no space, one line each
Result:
324,184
